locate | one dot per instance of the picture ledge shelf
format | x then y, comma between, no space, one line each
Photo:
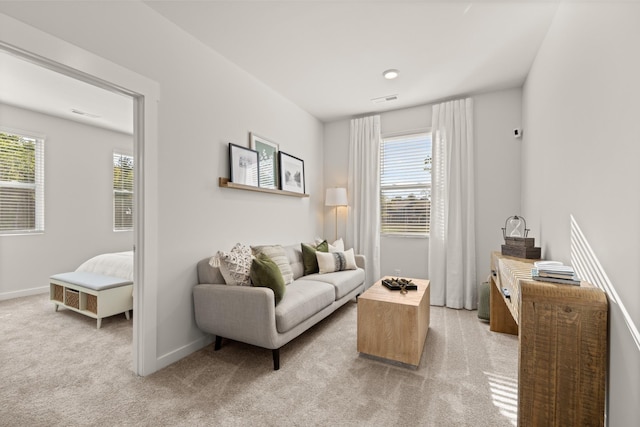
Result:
224,182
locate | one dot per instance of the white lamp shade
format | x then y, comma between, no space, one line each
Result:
336,197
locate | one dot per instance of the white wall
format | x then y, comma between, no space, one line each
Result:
580,158
497,178
498,167
206,102
78,166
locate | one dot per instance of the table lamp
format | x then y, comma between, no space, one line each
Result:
336,197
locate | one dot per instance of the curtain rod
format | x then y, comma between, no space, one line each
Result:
405,132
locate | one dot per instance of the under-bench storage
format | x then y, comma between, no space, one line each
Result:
91,294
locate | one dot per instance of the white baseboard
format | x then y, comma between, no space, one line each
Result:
177,354
23,293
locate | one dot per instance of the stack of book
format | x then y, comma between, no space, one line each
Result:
554,272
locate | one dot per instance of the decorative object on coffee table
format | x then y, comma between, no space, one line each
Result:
517,244
399,284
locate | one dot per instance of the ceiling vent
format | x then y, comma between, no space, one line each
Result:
384,99
84,113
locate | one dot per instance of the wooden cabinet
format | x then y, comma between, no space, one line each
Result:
562,355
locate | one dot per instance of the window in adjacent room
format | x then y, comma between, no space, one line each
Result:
122,192
405,185
21,184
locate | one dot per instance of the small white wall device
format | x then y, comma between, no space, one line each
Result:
517,133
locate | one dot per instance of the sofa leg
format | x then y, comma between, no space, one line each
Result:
218,343
276,359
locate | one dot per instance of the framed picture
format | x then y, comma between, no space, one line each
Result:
291,173
268,160
243,165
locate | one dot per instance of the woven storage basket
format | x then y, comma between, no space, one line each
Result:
92,303
58,293
72,298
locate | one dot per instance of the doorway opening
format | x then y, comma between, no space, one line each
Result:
143,345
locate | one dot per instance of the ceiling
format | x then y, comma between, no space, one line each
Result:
326,56
27,85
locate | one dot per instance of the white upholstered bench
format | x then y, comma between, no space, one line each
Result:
94,295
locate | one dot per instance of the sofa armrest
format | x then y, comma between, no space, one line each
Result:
361,261
242,313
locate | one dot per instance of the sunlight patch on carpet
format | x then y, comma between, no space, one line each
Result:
504,395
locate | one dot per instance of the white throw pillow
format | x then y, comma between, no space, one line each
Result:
328,262
337,246
235,265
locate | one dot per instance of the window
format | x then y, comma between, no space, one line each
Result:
405,185
21,184
122,192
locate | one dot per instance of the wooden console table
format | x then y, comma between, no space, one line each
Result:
562,354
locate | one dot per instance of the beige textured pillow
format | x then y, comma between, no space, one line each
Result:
235,265
279,256
336,261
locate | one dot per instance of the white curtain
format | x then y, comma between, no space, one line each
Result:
452,269
363,222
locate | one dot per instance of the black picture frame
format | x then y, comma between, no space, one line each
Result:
243,165
291,171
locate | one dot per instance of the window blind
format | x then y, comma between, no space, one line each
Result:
405,184
122,192
21,184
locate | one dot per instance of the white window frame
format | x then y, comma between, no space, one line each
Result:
38,185
119,191
415,187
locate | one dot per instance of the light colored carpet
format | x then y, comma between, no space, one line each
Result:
56,369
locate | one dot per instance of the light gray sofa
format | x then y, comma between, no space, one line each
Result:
249,314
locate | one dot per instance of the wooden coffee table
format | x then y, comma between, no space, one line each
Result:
392,325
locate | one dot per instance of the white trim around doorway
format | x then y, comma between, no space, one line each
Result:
36,46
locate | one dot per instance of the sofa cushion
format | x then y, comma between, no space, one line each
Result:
309,256
294,254
342,281
336,261
265,273
302,300
277,255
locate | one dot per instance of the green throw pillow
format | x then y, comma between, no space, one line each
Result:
265,273
309,260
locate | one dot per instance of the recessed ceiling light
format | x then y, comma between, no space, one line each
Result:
391,74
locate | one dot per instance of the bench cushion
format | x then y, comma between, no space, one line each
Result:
94,281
